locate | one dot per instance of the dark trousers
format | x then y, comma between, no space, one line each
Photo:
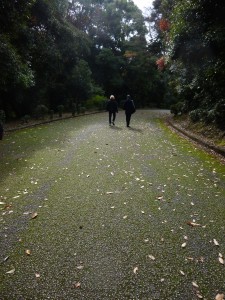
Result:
112,116
128,116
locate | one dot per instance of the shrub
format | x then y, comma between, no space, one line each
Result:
82,109
60,109
220,114
51,114
73,108
96,102
210,116
177,109
25,119
40,111
196,115
2,116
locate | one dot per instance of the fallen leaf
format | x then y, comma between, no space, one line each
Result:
193,224
34,215
195,284
6,258
77,285
37,275
190,258
215,242
199,295
219,297
11,271
124,217
182,273
135,270
109,193
80,267
201,259
28,252
221,260
184,245
151,257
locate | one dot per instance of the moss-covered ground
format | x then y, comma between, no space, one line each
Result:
114,208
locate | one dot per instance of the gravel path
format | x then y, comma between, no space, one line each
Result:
93,212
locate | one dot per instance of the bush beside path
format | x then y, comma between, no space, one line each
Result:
90,211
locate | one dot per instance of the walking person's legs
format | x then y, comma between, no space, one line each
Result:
114,118
110,117
128,116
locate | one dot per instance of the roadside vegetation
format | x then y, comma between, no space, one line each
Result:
69,56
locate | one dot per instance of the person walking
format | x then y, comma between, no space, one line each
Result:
112,108
129,108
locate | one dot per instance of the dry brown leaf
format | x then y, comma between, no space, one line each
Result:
34,215
182,273
6,258
28,252
151,257
135,270
184,245
219,297
215,242
193,224
11,271
221,260
77,285
201,259
195,284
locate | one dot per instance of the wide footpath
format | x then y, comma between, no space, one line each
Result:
93,212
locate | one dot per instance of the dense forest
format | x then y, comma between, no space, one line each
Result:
69,55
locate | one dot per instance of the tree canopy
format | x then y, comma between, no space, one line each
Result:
62,52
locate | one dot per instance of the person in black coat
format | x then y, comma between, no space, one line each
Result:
112,108
129,109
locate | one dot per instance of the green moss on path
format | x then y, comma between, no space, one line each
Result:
109,199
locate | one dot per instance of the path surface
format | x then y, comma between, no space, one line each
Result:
112,210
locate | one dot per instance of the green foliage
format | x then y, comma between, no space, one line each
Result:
73,109
220,114
82,110
25,119
60,109
2,116
51,114
177,109
40,111
96,102
194,47
196,115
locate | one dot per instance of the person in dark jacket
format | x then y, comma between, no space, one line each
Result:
129,109
112,108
